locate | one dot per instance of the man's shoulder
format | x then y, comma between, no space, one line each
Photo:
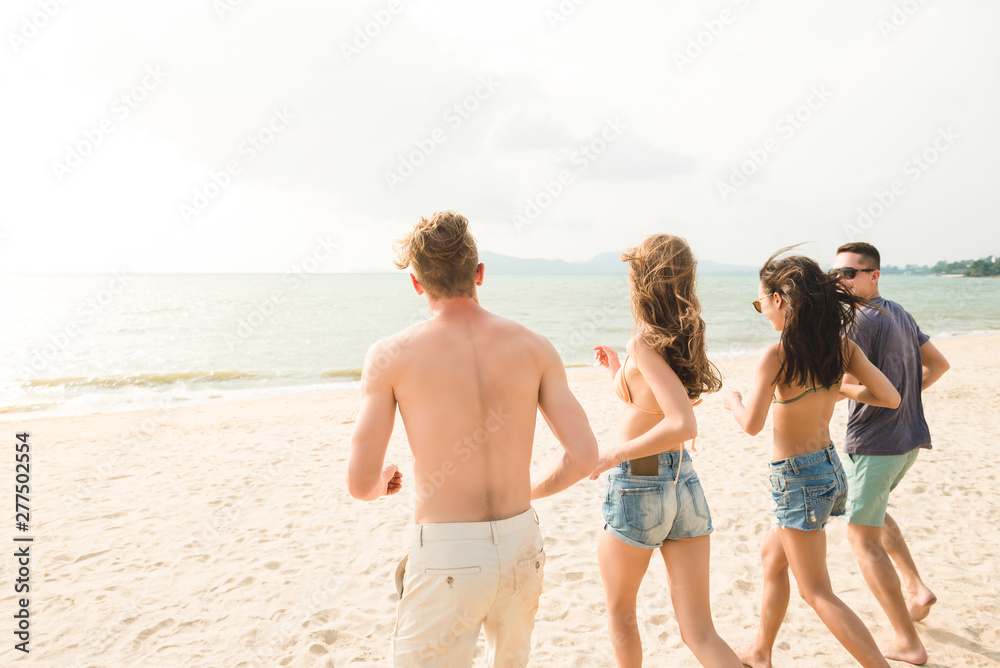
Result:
882,310
889,305
507,327
894,313
389,348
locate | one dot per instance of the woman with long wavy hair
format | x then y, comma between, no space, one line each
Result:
654,500
801,376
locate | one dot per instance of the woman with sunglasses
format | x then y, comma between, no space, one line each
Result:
800,375
654,500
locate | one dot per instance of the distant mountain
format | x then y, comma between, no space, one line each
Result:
605,263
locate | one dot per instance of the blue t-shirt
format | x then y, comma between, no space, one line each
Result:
892,342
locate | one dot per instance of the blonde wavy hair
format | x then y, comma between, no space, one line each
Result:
661,271
443,254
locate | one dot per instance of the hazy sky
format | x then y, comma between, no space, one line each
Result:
229,135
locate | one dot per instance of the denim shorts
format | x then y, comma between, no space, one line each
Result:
645,511
807,490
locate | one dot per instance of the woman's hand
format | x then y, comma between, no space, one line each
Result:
731,399
607,358
605,462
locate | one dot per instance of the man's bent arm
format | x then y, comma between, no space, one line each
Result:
565,417
934,364
372,430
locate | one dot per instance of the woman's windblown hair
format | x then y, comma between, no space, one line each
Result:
662,272
819,312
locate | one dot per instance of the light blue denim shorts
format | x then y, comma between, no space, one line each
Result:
645,511
807,490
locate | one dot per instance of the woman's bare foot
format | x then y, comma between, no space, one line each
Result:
919,604
754,658
897,651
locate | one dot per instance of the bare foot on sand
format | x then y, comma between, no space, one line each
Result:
754,658
898,651
919,604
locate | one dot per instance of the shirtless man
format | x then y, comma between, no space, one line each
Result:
881,445
468,385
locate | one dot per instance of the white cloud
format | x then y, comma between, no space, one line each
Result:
559,81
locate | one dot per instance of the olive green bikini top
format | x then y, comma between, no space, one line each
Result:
775,400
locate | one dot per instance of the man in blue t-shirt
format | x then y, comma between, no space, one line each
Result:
882,444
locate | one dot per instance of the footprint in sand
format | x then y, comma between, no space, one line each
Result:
142,635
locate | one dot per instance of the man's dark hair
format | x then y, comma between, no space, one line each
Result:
867,252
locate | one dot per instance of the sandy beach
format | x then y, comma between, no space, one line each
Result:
222,534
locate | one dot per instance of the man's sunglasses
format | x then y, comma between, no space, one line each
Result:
847,272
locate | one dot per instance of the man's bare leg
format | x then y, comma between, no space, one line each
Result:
879,574
919,597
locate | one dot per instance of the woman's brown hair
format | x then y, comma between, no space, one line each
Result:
818,312
662,272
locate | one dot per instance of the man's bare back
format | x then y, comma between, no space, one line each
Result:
468,384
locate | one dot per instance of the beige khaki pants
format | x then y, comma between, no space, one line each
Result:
458,578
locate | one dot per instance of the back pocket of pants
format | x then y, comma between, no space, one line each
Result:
643,506
819,503
529,571
697,496
466,570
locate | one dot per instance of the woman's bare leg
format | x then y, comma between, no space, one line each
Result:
622,568
686,560
773,605
806,553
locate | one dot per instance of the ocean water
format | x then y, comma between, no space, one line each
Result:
76,344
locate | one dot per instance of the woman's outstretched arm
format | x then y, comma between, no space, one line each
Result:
752,416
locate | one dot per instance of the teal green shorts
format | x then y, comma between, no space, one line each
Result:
870,478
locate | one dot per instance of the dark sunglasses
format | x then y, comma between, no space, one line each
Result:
846,272
756,302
